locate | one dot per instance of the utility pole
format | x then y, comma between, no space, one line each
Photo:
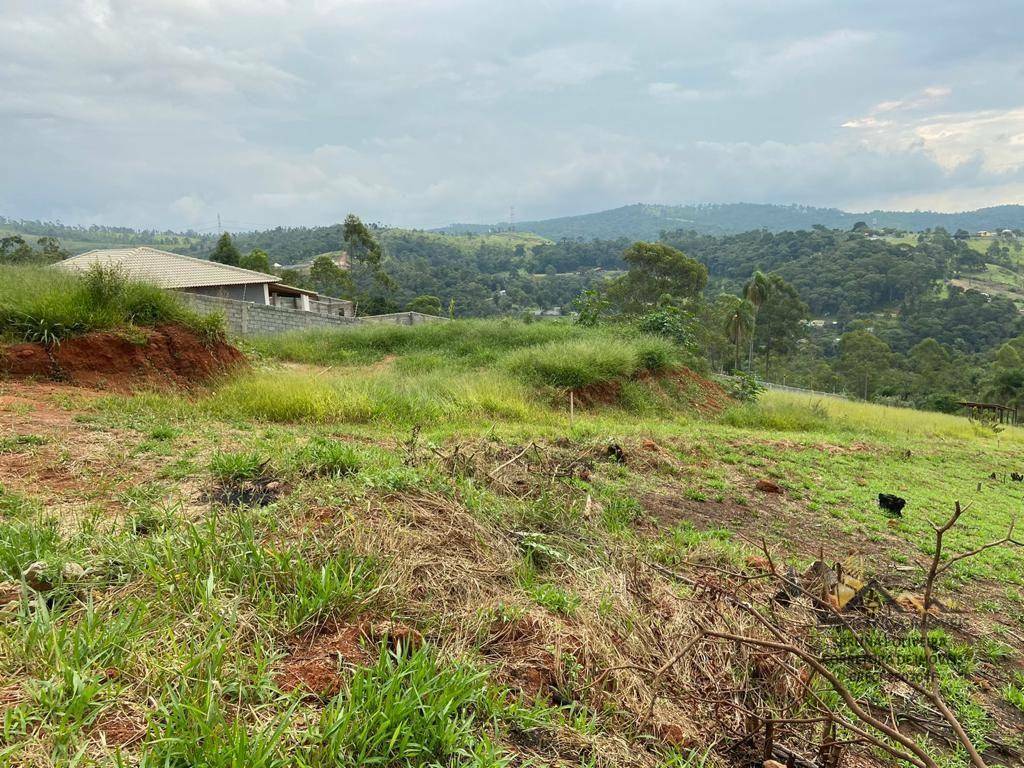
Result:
512,218
219,227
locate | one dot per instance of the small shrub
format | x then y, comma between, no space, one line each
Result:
20,443
163,432
243,478
553,598
744,387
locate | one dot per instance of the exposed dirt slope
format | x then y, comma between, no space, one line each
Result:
166,355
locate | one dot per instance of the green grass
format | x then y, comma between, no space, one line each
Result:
588,362
406,710
469,343
788,410
47,304
1014,691
446,490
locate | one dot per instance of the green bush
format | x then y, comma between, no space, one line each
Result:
46,305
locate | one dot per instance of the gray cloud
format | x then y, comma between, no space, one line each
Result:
421,112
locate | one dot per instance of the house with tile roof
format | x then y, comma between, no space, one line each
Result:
207,278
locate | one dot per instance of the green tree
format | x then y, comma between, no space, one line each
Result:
296,279
363,248
655,271
14,250
739,325
865,361
1007,357
428,305
756,291
256,260
928,358
330,279
50,250
780,321
225,251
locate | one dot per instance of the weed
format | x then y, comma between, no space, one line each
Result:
406,710
18,443
237,467
1014,691
329,458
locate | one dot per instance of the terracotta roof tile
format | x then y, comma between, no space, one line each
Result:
168,270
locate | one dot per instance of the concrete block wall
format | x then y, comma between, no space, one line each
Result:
404,318
247,319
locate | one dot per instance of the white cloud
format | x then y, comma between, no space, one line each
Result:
990,140
672,92
419,112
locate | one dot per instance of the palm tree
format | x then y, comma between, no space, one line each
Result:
756,291
739,326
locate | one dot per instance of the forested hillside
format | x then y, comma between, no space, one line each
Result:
646,222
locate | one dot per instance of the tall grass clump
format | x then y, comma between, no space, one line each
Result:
45,304
581,363
407,710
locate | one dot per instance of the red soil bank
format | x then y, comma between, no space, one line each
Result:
167,355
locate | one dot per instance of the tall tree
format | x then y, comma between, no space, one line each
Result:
655,271
780,321
363,248
756,291
14,250
225,251
330,279
428,305
739,326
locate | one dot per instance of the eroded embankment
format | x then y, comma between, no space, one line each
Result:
161,356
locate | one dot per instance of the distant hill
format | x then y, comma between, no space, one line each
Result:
646,222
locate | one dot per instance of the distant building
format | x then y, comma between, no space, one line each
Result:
983,233
206,278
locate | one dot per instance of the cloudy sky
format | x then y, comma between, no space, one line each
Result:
424,112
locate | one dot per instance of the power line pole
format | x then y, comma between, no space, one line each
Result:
511,218
219,227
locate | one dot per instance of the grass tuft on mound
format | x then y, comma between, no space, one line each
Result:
46,305
590,361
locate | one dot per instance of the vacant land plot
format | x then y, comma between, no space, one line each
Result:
401,547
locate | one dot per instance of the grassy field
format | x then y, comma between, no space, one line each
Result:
398,547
